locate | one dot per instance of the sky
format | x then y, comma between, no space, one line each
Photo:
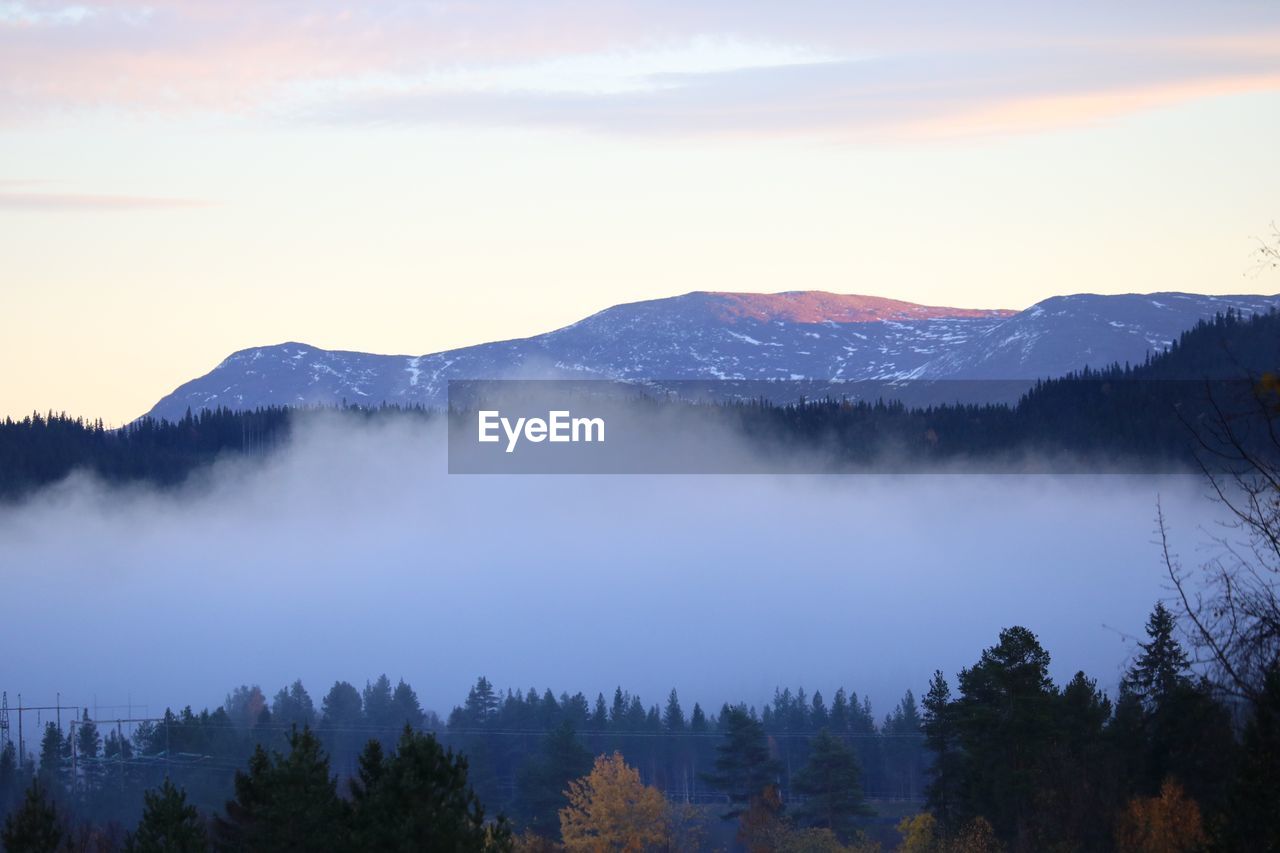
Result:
179,180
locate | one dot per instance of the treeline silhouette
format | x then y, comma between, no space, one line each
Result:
522,747
1149,416
1140,415
998,752
42,449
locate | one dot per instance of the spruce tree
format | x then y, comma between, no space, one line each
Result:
169,824
35,827
698,719
377,705
901,737
53,749
419,799
1253,820
1161,669
600,715
88,741
839,716
1186,733
743,767
544,779
832,786
819,718
286,803
673,717
8,776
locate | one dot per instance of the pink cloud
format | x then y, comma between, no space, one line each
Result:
929,96
922,68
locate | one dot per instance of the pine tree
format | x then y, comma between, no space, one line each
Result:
169,824
482,702
341,720
377,704
1005,723
405,708
832,786
292,706
941,738
35,827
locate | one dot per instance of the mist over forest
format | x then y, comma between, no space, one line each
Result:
350,548
780,645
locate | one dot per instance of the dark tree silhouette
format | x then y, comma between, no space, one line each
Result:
35,827
169,824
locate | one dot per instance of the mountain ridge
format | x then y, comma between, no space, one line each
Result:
703,335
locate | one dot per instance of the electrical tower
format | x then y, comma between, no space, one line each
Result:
4,717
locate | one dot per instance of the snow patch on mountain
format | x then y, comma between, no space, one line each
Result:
800,335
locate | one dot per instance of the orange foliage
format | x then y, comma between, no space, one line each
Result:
1169,823
611,809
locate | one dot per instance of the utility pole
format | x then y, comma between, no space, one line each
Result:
72,735
22,747
120,751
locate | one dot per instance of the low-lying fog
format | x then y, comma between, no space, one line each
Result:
352,553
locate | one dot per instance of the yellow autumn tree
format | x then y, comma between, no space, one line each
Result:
976,836
1168,823
611,809
919,834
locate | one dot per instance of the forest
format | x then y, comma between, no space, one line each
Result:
1183,755
1139,417
996,756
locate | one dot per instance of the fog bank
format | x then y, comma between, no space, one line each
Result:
352,553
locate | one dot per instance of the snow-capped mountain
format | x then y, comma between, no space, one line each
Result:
809,335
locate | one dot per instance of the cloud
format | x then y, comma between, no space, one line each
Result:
893,98
85,202
919,69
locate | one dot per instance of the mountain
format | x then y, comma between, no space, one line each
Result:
705,335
